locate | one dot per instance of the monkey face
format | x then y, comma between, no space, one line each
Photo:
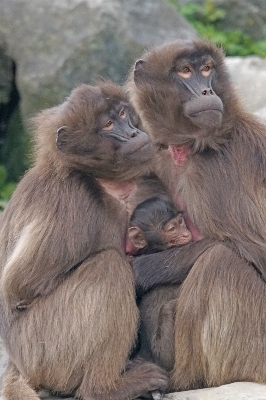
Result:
156,225
128,141
175,232
99,133
193,78
182,93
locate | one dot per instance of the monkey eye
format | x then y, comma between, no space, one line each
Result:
185,72
207,69
123,113
108,126
170,227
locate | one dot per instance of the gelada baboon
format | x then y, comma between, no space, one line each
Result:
211,157
155,226
68,310
175,262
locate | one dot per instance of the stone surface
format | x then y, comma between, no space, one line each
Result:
249,77
234,391
6,77
261,113
57,45
3,361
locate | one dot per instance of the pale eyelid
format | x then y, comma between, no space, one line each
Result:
209,64
108,126
207,72
123,111
186,74
170,227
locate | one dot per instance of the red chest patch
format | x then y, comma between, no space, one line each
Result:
179,153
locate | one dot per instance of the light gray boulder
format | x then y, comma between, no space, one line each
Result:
261,113
249,76
233,391
57,45
3,362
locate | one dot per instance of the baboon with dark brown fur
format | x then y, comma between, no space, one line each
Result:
211,156
68,315
156,225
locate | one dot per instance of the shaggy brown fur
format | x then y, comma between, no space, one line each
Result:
68,315
157,307
216,170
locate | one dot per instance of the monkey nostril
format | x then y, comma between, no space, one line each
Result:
205,92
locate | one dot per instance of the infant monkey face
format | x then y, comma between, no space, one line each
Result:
175,232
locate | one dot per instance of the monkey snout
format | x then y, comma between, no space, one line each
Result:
207,92
205,111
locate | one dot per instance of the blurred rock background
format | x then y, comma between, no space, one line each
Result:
49,47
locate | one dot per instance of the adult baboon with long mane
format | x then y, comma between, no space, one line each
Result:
212,159
68,315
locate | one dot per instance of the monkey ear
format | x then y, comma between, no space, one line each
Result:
139,73
62,136
136,237
139,64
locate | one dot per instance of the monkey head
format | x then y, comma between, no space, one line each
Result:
95,131
156,225
183,93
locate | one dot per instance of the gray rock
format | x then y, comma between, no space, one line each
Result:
57,45
3,361
249,77
261,113
233,391
5,78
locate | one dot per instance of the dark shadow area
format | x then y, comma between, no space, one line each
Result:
14,143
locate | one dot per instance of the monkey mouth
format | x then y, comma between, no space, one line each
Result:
181,241
208,119
206,112
196,113
141,152
139,148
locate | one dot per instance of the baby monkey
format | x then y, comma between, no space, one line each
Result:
156,225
